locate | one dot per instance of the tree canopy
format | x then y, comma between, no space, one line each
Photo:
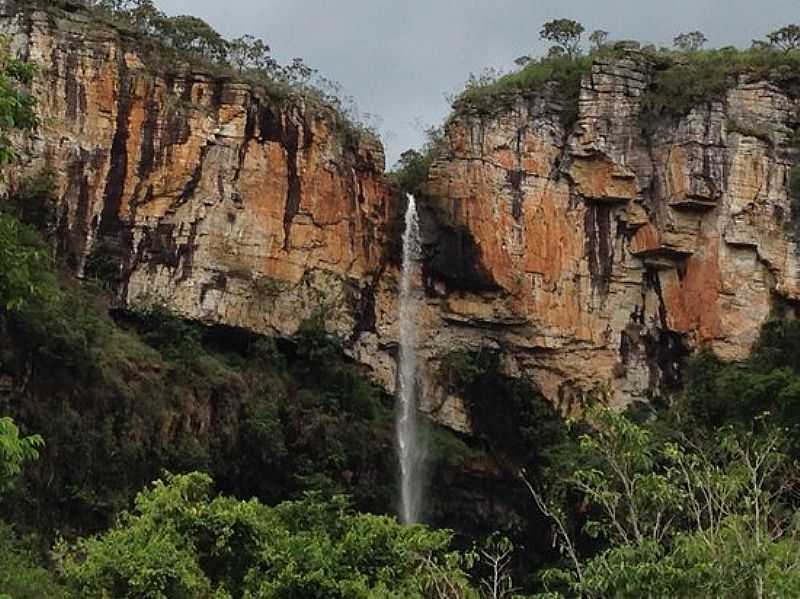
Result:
181,541
690,42
565,34
677,517
786,38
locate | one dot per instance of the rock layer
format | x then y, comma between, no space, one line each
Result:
231,204
594,258
617,251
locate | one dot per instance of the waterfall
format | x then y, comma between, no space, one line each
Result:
410,449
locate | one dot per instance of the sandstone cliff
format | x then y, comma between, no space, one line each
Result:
618,246
231,204
594,257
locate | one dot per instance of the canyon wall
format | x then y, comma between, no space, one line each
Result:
620,245
232,204
594,257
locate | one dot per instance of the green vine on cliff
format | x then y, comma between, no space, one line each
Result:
17,105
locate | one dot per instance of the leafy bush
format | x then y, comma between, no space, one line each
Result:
762,393
684,80
178,340
15,451
410,174
119,400
563,71
33,201
17,105
25,278
678,518
187,39
182,542
23,572
734,126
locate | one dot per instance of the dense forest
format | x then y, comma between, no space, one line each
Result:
146,455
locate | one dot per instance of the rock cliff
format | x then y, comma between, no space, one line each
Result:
593,256
619,245
233,205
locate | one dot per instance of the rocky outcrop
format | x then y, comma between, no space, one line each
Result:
593,257
617,250
232,204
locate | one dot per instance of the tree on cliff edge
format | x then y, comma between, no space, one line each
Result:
565,34
786,38
690,42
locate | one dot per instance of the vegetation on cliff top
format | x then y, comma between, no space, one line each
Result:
682,78
185,40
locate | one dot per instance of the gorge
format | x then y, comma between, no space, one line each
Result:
592,254
241,288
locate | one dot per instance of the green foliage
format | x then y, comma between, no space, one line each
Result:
685,80
679,518
563,71
181,542
690,42
509,413
248,53
565,33
119,400
191,35
176,339
104,265
23,572
410,175
786,38
33,201
762,133
763,392
24,273
183,39
411,172
598,39
17,106
138,14
15,451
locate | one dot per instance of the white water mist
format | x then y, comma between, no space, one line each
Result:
411,451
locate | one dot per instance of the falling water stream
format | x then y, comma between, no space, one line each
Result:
411,451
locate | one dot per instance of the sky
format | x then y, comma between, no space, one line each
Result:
401,59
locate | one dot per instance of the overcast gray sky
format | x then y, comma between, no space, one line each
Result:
399,58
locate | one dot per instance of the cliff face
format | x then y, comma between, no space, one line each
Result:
234,206
593,258
618,250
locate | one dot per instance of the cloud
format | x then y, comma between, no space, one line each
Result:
398,59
